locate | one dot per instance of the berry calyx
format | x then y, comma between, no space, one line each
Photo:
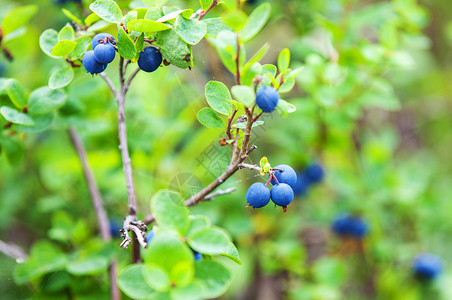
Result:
267,99
104,53
258,195
282,195
285,174
91,64
427,266
100,38
150,59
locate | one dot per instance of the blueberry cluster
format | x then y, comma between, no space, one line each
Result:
313,174
283,180
427,266
347,225
95,61
150,235
267,99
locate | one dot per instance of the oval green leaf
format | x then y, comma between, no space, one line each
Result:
211,241
15,92
63,48
107,10
169,211
143,25
191,31
209,118
244,94
218,96
44,100
61,77
132,283
15,117
256,21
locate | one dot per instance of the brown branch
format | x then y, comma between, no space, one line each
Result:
13,251
228,130
129,81
203,13
251,167
110,84
237,62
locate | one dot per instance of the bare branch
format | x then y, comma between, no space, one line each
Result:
13,251
251,167
110,84
203,13
129,81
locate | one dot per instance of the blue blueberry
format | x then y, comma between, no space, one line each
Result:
115,228
358,227
197,255
427,266
90,63
104,53
267,99
258,195
340,225
346,225
100,36
315,173
149,236
286,175
302,184
150,59
281,194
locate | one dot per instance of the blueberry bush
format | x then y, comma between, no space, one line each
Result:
185,149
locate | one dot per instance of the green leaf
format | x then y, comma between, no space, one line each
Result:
169,211
44,100
61,77
139,44
16,117
205,4
283,60
156,278
192,291
18,17
82,44
131,15
173,15
256,21
215,277
42,122
191,31
14,151
233,254
268,72
131,281
244,94
215,26
256,58
211,241
48,40
248,74
218,96
63,48
226,44
90,265
287,85
196,224
66,33
107,10
153,14
15,93
209,118
15,34
235,19
242,125
126,47
263,162
71,16
285,107
174,49
142,25
91,19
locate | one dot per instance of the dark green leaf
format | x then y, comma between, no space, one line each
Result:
153,14
174,49
156,278
193,291
215,26
209,118
14,151
196,224
126,47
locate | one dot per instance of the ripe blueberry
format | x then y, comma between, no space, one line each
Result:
258,195
302,184
115,228
90,63
267,99
104,53
100,36
149,236
315,173
347,225
427,266
286,175
197,255
150,59
281,194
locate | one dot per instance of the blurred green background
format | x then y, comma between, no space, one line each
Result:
373,108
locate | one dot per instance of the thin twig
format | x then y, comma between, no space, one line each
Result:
129,81
251,167
228,130
110,84
203,13
13,251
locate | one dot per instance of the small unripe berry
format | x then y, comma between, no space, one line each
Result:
286,175
149,236
150,59
91,64
281,194
101,36
427,266
258,195
267,99
104,53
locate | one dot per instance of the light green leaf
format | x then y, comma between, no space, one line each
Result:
247,76
215,277
44,100
15,34
126,47
211,241
48,40
209,118
196,224
283,60
192,291
131,15
173,15
244,94
61,77
82,44
287,85
215,26
156,278
63,48
205,4
256,58
90,265
174,49
42,122
15,117
14,152
18,17
71,16
131,281
107,10
226,44
91,19
256,21
218,96
283,107
15,92
169,211
66,33
141,12
143,25
153,14
233,254
191,31
242,125
235,19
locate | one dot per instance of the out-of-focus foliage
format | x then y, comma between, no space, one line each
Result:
372,108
